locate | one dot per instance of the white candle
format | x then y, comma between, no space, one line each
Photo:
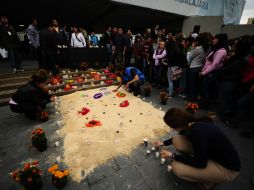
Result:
58,159
57,112
153,148
157,154
76,70
151,103
160,108
163,161
57,132
58,83
49,91
144,99
148,152
49,84
57,143
138,95
63,72
169,168
146,141
59,123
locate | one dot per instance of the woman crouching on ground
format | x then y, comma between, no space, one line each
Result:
206,154
32,98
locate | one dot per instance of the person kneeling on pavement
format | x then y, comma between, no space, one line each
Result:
32,98
132,78
206,156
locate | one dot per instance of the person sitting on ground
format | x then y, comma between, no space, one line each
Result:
206,155
31,98
132,77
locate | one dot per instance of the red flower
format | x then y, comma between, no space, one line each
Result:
27,166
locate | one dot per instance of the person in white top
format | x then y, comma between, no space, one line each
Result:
77,38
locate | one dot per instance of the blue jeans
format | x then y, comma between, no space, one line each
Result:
14,58
170,82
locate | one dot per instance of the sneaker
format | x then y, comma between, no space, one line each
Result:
14,71
20,70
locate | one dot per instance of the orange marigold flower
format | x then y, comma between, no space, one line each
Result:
55,167
66,172
50,169
57,173
60,175
17,179
53,172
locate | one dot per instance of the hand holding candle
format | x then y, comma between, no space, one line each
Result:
166,154
157,144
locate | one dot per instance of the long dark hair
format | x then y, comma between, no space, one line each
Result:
177,118
203,40
222,43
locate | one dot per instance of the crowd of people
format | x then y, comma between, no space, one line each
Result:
201,67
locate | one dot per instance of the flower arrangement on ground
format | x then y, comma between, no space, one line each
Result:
147,91
39,140
164,97
59,177
56,80
68,87
191,107
43,116
29,176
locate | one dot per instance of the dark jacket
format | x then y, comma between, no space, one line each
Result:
31,94
9,38
47,40
209,143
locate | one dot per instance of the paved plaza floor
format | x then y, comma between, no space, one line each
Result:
136,171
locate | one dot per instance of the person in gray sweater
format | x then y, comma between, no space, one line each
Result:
196,59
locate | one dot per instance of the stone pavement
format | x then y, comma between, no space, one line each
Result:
135,172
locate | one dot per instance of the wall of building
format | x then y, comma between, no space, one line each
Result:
235,31
207,24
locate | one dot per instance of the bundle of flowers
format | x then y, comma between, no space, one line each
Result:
93,123
79,80
84,111
43,116
56,80
97,77
59,177
29,176
68,87
39,139
147,91
164,97
191,107
120,94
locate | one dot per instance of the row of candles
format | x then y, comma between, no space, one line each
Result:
157,154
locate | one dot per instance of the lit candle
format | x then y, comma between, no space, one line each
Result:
169,168
57,143
153,148
57,132
49,84
163,161
151,103
63,72
160,108
58,83
59,123
157,154
144,99
148,152
138,95
58,159
76,70
146,141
